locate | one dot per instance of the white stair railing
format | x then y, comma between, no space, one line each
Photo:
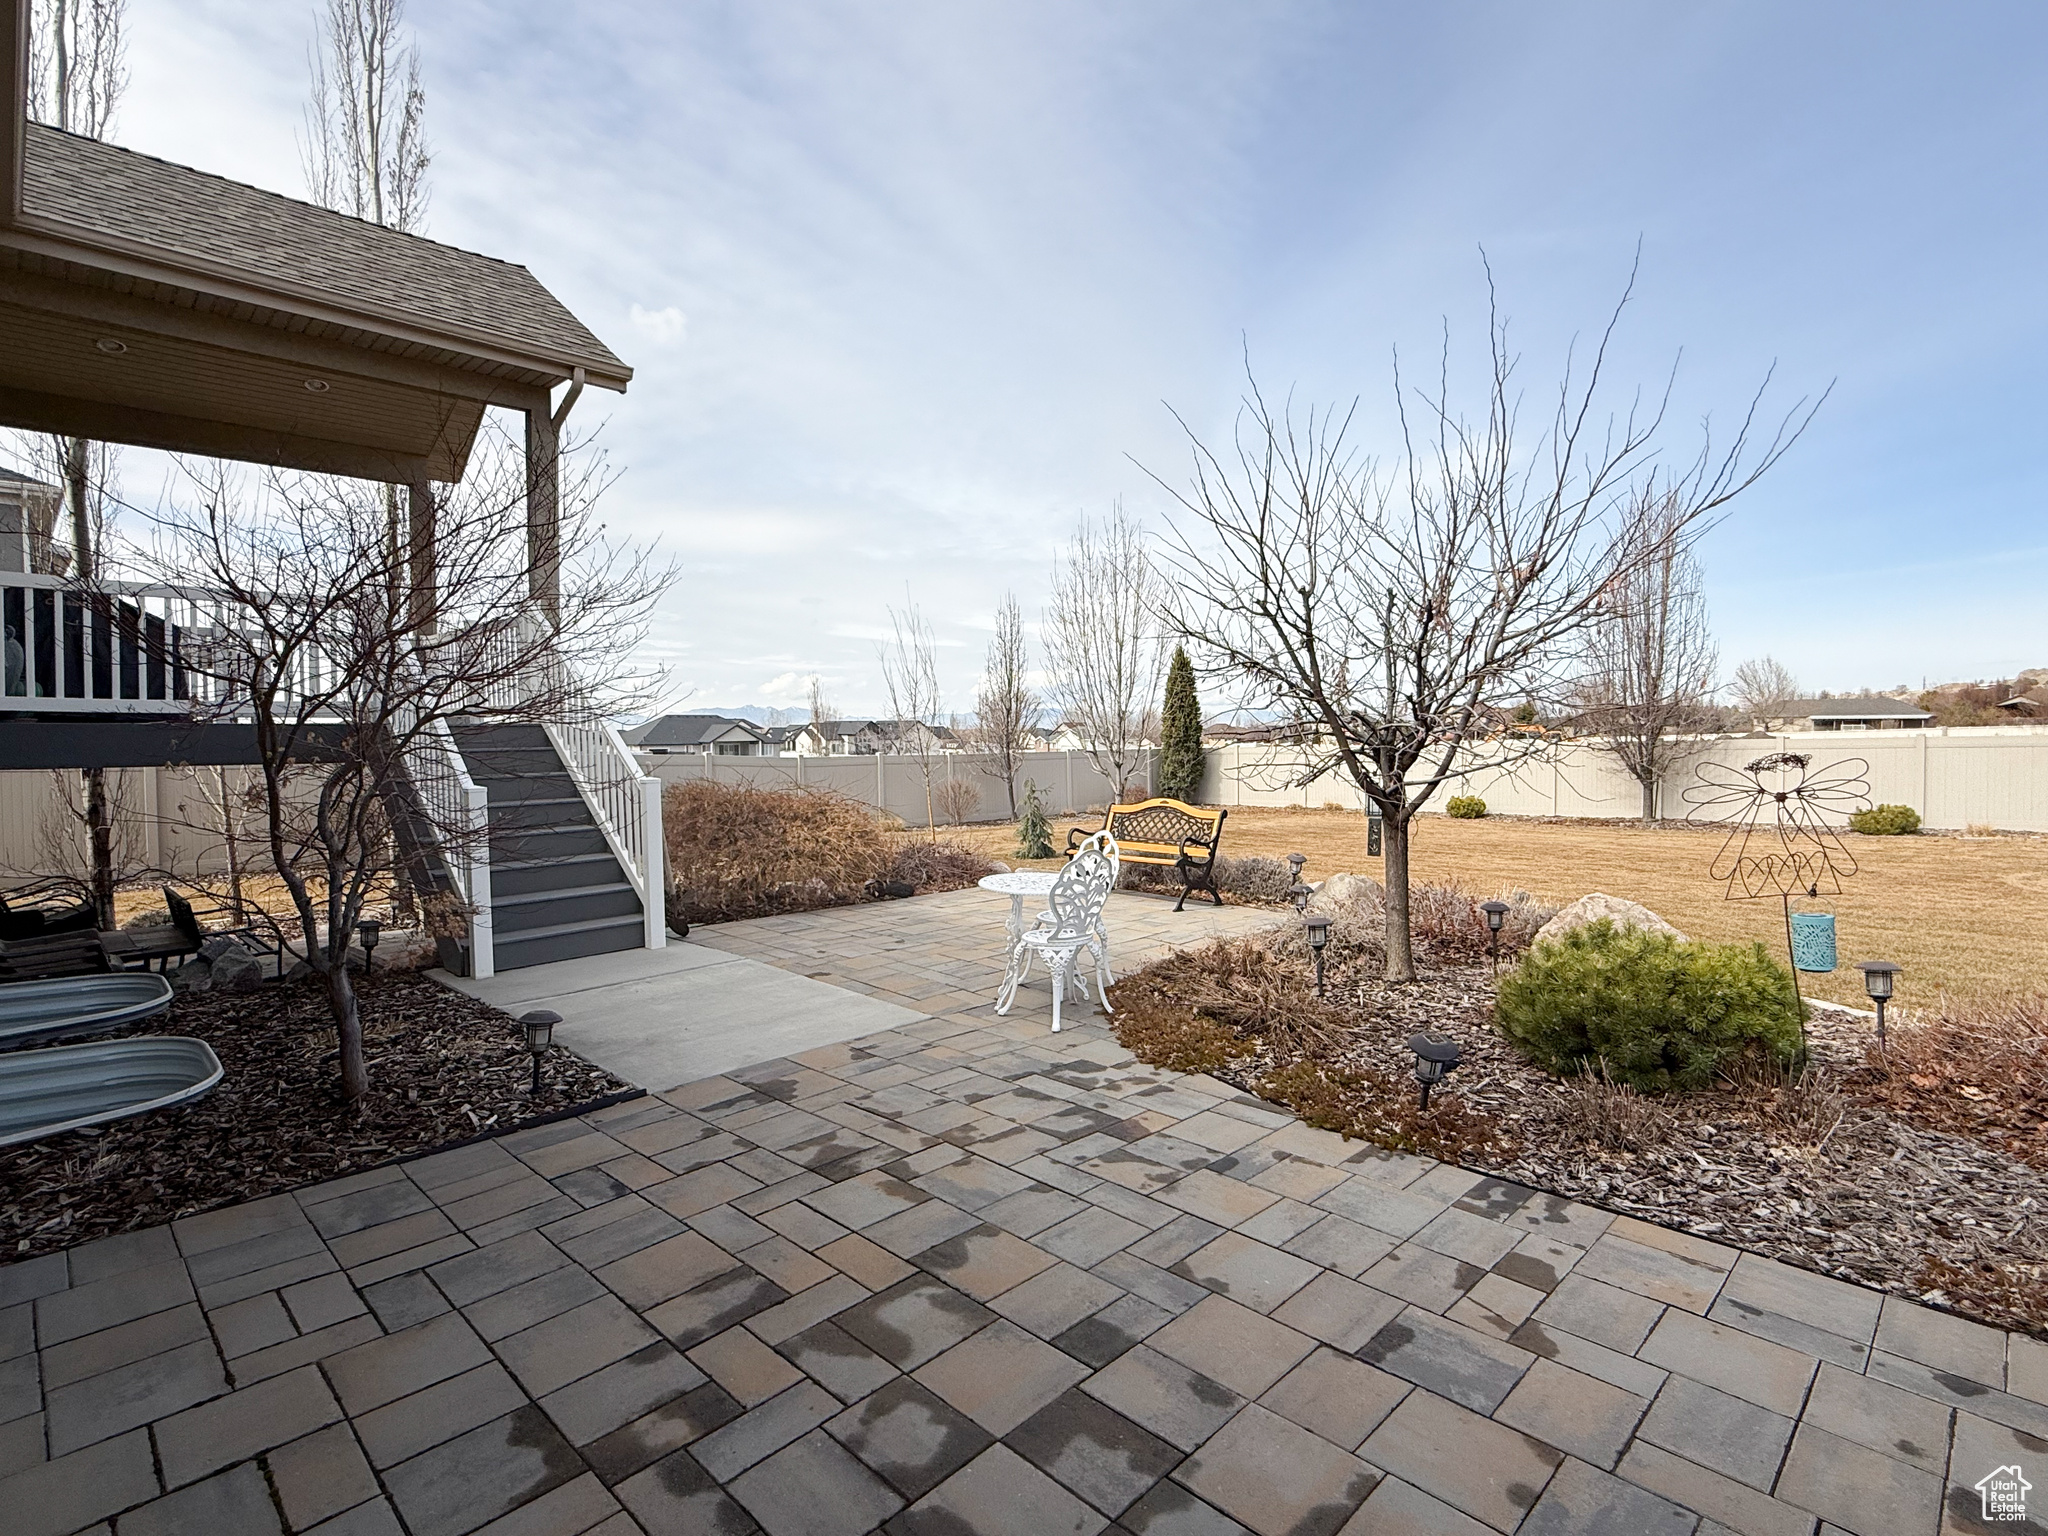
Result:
458,816
626,805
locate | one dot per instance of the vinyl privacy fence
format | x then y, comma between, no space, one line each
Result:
169,818
1954,779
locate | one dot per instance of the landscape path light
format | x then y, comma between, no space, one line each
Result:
1434,1056
367,931
1877,981
1318,941
540,1034
1496,913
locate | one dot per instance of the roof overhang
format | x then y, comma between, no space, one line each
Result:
126,341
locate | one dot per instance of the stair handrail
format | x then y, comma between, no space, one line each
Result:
626,805
458,822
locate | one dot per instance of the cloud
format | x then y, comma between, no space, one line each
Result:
664,326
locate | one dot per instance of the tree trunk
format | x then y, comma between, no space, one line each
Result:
348,1031
1400,952
231,835
76,489
99,827
1650,801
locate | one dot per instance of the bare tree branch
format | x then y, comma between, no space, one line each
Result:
1649,663
1389,617
1104,651
350,692
1007,707
910,668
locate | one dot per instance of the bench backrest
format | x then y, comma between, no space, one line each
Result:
1171,822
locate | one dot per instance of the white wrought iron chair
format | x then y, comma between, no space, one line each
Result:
1071,923
1104,844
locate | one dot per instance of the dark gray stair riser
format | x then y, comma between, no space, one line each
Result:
522,843
542,813
512,878
548,909
512,952
546,786
501,768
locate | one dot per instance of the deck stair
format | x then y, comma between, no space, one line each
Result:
557,890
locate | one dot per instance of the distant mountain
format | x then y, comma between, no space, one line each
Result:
760,714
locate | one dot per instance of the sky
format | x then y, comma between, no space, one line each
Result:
909,289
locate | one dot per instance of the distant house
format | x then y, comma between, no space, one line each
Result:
1866,712
712,735
28,517
2030,705
836,738
864,738
781,739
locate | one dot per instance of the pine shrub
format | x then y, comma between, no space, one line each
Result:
1655,1013
1465,807
1886,821
1180,732
1034,834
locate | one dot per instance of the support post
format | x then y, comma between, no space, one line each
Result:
423,613
544,512
482,950
654,906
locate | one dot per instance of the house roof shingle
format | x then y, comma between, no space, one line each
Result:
688,730
208,223
1862,707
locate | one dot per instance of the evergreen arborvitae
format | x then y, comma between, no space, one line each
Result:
1180,731
1034,835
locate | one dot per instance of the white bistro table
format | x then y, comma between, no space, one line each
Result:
1035,883
1017,885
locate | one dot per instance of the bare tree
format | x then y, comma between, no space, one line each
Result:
1649,669
1390,618
77,64
1006,707
1762,688
910,669
365,150
958,799
821,708
77,72
351,695
1103,647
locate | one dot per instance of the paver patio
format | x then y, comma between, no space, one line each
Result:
967,1276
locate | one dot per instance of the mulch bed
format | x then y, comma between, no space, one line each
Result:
1829,1176
443,1068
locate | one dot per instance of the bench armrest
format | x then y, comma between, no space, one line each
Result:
1078,832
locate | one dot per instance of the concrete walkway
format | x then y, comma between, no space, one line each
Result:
743,992
962,1276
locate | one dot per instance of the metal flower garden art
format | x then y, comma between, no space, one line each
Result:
1783,815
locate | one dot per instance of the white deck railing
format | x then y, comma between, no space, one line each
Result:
626,804
458,814
122,647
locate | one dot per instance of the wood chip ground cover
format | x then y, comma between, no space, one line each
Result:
1823,1177
443,1068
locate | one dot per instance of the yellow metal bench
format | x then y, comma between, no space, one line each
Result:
1168,833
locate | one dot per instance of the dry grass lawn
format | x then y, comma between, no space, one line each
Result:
1964,914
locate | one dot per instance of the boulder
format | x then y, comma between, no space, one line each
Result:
236,970
1340,891
1590,909
218,945
192,976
